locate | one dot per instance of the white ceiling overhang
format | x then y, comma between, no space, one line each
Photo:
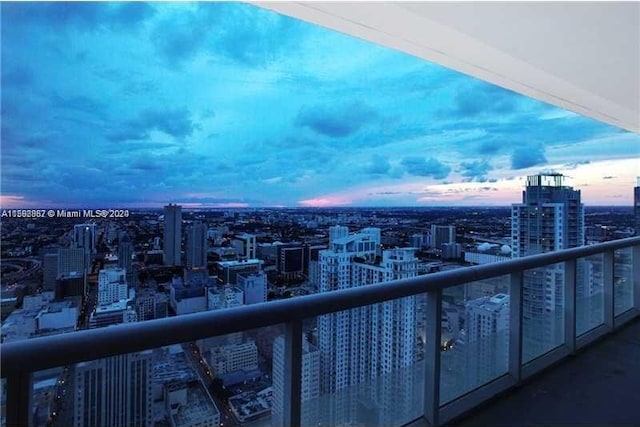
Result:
581,56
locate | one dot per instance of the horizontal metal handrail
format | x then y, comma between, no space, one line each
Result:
60,350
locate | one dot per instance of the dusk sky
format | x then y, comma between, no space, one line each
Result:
132,104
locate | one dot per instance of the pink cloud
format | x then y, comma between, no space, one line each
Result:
326,201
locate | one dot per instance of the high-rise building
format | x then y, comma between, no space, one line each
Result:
372,342
197,245
115,391
112,286
416,240
441,234
172,241
49,271
290,261
71,260
487,339
254,287
125,253
309,384
550,218
84,236
636,206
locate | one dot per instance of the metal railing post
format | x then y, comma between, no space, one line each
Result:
515,326
293,373
19,386
570,283
432,357
635,269
609,297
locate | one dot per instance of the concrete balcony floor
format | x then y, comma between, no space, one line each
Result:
599,386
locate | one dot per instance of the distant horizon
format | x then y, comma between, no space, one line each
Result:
188,208
231,105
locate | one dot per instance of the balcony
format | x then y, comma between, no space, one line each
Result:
442,385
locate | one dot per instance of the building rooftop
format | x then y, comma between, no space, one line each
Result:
235,263
198,407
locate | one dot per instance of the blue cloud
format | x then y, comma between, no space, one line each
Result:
420,166
527,156
175,122
336,121
476,170
484,99
379,165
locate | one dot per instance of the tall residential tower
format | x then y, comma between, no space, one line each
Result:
365,353
550,218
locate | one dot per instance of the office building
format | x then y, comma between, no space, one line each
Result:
245,245
227,271
112,314
187,296
416,240
84,236
253,286
73,284
441,234
189,404
172,241
550,218
290,261
112,286
234,357
151,304
309,387
49,271
71,260
125,259
114,391
197,245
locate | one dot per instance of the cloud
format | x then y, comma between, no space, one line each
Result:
84,16
420,166
527,156
608,177
254,36
178,38
260,104
476,170
379,165
175,122
336,121
482,99
574,165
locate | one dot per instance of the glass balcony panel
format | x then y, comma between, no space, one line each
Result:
622,281
542,310
475,336
3,402
364,367
589,293
219,380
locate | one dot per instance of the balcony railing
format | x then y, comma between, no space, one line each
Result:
616,302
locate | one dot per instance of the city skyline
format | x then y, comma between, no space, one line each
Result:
235,106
